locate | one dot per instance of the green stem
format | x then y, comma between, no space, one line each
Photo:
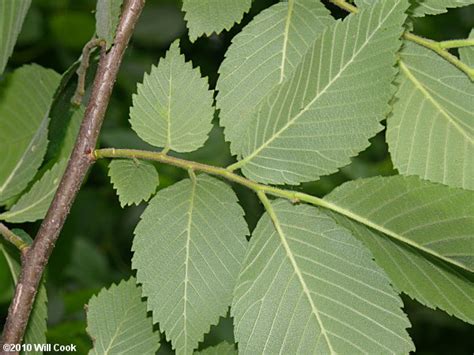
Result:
19,243
439,47
293,196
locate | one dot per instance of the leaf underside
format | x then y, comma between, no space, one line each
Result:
188,249
158,114
208,16
261,56
107,17
307,286
117,321
431,130
326,111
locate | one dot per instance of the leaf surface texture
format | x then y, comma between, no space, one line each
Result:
107,17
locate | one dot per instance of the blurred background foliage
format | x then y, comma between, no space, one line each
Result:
94,248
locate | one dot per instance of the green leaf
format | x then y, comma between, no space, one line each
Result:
326,111
467,53
435,7
134,180
117,321
223,348
188,249
208,16
173,107
433,219
24,108
433,283
107,17
36,328
12,15
261,56
431,130
309,286
34,204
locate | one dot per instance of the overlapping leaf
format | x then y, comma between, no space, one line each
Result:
173,107
118,324
107,17
36,329
12,14
208,16
220,349
436,7
308,286
34,204
261,56
134,180
188,249
24,108
433,283
326,111
431,130
434,219
467,53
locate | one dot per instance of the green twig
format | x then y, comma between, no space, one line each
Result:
82,70
439,47
293,196
11,237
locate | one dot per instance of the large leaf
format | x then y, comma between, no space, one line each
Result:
107,17
326,111
188,249
431,130
34,204
467,53
24,110
433,283
309,287
12,14
134,180
433,219
173,107
36,329
261,56
208,16
117,321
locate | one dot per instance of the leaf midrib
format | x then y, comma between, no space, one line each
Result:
306,108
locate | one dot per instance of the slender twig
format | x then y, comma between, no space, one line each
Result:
11,237
81,159
439,47
82,70
293,196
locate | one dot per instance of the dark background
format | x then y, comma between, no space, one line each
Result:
94,248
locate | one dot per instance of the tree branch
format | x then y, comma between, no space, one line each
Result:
81,159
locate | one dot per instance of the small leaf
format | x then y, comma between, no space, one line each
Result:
223,348
134,180
173,107
261,56
34,204
208,16
436,7
12,15
107,17
433,219
117,321
467,53
188,249
325,112
431,129
309,287
24,111
36,328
